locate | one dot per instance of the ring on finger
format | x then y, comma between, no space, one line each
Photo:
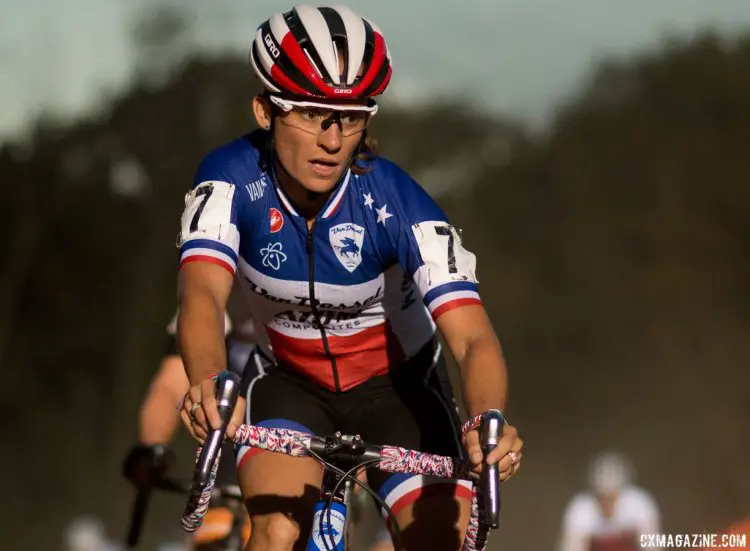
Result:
195,406
513,458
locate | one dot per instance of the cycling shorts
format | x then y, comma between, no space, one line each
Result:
410,407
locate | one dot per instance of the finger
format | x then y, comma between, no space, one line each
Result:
188,422
238,417
473,448
194,394
200,433
506,464
199,419
199,426
509,441
505,475
496,455
208,402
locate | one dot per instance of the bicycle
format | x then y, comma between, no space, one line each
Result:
329,521
227,518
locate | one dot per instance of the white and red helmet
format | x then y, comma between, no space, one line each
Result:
297,53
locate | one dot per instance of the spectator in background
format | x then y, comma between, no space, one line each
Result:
612,513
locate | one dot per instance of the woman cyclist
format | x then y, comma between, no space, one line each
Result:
350,267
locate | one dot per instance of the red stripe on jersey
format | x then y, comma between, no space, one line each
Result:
451,304
365,354
206,258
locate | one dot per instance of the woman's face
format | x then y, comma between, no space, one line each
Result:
314,144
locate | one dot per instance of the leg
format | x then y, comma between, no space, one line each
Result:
417,411
431,513
280,491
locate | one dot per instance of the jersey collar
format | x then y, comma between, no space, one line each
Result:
331,206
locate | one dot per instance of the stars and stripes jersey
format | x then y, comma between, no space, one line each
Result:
349,297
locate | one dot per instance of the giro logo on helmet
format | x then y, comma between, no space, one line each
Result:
271,46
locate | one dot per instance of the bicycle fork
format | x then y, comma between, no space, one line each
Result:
330,524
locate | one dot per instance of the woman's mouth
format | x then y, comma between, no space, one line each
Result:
323,168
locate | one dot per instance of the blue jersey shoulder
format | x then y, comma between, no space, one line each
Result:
238,162
400,192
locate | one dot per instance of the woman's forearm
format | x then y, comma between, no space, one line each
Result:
200,335
484,377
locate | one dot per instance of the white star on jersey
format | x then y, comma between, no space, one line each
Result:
383,214
368,200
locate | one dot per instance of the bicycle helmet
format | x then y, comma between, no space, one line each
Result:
297,53
609,472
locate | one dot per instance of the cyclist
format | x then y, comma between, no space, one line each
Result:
613,513
152,457
335,247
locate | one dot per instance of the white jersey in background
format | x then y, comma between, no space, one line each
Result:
586,529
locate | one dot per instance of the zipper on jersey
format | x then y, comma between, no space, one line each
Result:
315,311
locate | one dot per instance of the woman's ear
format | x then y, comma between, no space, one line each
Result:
262,112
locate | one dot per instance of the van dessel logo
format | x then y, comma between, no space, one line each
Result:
331,535
346,241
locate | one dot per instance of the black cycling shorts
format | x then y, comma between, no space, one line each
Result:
411,407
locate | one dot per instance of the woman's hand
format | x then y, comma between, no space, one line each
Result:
507,454
200,412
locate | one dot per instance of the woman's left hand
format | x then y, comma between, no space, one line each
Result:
507,454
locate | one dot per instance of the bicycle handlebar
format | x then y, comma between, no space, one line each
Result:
485,506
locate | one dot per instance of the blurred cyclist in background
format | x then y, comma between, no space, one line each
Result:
87,533
152,457
612,514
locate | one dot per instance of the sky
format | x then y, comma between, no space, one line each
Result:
520,57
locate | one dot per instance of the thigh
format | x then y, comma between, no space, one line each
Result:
417,411
273,483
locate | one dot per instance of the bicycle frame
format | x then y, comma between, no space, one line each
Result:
329,529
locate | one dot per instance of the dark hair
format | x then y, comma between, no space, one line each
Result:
367,150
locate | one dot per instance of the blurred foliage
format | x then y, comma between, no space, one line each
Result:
614,258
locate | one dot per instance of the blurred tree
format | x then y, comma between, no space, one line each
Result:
161,40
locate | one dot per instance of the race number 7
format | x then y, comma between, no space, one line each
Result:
447,230
205,194
442,254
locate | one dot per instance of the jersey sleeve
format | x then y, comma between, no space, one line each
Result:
209,221
578,523
429,248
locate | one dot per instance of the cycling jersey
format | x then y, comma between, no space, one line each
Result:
586,529
339,301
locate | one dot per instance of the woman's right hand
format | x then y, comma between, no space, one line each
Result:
200,412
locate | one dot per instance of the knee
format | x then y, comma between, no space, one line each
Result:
273,532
